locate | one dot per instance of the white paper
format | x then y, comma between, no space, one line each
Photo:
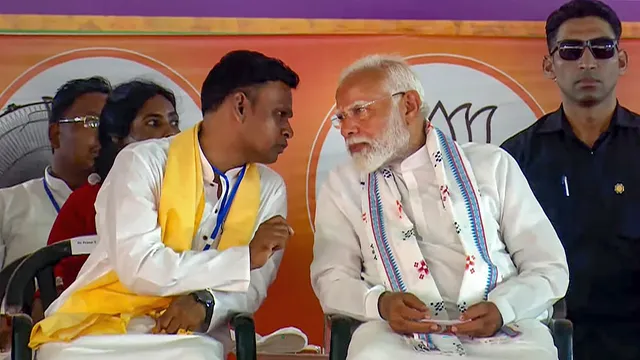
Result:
444,322
83,245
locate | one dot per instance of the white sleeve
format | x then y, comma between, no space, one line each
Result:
273,202
534,246
337,263
127,219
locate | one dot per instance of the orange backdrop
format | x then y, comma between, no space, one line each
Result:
318,60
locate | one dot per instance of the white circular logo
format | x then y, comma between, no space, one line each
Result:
116,65
469,100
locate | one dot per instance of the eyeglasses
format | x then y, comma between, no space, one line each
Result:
358,111
88,121
572,50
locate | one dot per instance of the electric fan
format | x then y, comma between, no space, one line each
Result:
25,150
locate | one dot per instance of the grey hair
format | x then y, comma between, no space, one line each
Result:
399,75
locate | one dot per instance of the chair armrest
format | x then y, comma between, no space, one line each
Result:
562,331
560,309
342,327
245,331
24,274
21,325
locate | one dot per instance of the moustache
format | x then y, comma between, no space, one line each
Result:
354,140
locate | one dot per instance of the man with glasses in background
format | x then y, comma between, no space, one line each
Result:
582,163
27,210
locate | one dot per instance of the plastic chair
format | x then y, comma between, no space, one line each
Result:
6,272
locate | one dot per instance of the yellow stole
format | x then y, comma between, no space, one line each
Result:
105,306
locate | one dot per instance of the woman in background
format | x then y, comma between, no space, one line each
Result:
135,111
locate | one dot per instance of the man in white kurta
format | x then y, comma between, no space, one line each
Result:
27,213
247,104
130,244
28,210
414,172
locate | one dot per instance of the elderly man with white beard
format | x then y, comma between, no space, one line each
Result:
440,249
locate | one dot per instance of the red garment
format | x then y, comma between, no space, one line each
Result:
77,217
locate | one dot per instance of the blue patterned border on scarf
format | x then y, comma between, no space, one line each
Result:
454,161
380,235
382,243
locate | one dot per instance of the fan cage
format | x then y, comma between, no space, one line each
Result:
25,150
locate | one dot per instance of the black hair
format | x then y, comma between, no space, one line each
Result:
67,94
241,69
576,9
121,108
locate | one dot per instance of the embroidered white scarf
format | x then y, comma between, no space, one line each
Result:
394,244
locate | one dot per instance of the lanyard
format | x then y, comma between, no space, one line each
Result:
227,199
50,195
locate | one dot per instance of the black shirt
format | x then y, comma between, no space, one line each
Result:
592,197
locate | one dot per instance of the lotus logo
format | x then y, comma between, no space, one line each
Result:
484,115
471,101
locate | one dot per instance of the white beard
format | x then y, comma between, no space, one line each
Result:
391,144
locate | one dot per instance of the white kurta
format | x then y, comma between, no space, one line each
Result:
530,260
130,244
27,214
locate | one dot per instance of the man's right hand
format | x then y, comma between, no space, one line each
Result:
405,313
271,236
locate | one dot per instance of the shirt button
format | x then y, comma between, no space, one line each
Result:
205,237
215,211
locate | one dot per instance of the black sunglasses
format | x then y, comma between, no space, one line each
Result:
572,50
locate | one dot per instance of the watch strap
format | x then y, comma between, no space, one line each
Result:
206,298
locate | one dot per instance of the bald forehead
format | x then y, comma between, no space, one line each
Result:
362,85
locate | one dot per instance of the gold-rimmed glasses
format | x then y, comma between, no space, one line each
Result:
358,110
88,121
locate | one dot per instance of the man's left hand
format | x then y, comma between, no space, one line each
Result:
483,320
184,313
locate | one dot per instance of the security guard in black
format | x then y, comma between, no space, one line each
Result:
583,164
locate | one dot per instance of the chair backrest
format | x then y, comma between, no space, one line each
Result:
38,265
19,300
5,274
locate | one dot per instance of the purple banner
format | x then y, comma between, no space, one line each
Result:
523,10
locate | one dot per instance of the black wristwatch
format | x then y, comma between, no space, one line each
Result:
205,297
